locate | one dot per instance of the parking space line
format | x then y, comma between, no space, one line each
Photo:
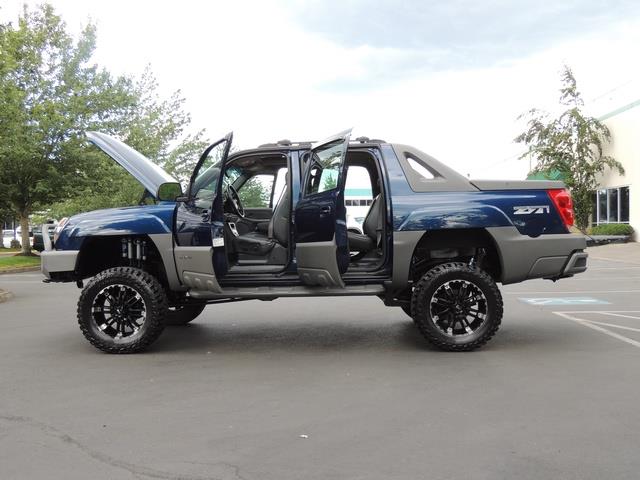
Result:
620,315
621,327
590,324
601,311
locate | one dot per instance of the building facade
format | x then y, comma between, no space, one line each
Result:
618,199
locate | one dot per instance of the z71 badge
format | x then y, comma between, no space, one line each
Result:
530,210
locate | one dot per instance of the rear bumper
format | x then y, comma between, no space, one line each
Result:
54,261
577,264
547,256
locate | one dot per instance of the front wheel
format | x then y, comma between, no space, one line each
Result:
122,310
456,307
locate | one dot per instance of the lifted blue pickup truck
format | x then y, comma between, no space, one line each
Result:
433,242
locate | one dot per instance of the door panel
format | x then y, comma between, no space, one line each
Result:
320,216
196,269
196,224
317,265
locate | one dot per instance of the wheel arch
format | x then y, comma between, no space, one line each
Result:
101,252
417,251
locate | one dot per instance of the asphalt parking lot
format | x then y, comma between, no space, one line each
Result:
330,389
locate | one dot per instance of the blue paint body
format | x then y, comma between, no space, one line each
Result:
447,210
409,211
140,220
414,211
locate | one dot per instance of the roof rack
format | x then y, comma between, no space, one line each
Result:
369,140
285,143
288,143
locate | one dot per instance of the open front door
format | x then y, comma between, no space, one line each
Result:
322,252
199,251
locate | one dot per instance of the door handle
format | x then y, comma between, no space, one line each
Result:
325,210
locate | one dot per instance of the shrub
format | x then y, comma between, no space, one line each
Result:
612,229
15,244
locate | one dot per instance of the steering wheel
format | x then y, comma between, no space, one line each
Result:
236,203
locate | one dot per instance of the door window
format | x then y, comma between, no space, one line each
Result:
204,181
256,192
325,170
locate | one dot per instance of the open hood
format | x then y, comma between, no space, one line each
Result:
150,175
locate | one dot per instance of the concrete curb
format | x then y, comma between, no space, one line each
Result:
35,268
4,295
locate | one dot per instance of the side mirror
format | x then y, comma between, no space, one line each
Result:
170,191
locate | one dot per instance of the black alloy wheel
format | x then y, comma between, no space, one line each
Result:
122,310
457,307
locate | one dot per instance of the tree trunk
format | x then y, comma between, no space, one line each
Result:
24,226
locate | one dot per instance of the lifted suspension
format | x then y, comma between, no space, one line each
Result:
134,250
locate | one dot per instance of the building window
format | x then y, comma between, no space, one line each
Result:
624,204
611,205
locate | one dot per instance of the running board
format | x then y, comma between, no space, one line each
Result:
297,291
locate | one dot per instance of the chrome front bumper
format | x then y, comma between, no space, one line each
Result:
53,261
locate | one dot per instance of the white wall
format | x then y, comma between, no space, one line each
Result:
625,147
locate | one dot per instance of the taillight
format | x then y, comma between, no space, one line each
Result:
561,198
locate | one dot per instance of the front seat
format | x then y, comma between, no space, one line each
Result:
260,243
372,228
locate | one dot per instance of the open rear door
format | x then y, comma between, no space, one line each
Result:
322,252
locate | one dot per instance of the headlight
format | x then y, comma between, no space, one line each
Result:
58,229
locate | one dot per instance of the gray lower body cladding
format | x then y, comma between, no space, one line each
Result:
547,256
54,261
521,257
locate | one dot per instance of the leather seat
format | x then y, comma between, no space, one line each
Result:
261,243
372,227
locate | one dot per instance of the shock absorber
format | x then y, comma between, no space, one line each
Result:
138,251
130,250
123,248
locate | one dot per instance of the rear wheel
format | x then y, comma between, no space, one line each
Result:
183,314
122,310
456,307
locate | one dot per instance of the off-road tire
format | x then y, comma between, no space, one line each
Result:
183,314
428,285
406,309
146,286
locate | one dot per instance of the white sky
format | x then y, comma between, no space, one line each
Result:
252,67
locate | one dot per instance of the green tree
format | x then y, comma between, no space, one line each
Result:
570,143
156,128
330,180
49,94
153,126
255,194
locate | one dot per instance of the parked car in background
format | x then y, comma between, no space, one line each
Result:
7,236
38,241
